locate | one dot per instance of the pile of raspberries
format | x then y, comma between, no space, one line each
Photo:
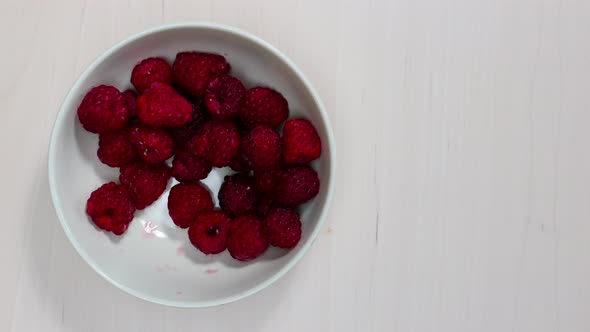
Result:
199,115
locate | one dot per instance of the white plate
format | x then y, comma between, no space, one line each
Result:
154,260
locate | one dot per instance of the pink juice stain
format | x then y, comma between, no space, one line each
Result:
149,229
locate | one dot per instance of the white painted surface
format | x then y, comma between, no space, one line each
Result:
463,184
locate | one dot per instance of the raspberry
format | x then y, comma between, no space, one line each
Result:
192,70
246,239
183,134
130,97
267,203
216,141
282,228
145,182
149,71
189,168
264,106
296,186
224,97
119,229
110,208
237,195
153,145
209,232
266,180
239,163
187,201
115,148
262,148
301,143
161,106
103,109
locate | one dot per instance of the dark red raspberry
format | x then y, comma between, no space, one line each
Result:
224,97
115,148
110,208
266,180
187,201
153,145
262,148
267,203
161,106
239,163
192,70
296,186
149,71
264,106
246,239
209,232
301,143
103,109
216,141
187,167
237,195
145,182
183,134
282,228
130,98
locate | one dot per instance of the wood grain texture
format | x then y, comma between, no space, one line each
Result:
463,183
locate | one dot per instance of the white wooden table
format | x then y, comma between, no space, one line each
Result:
463,188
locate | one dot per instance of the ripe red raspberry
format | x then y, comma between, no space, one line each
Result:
209,232
103,109
187,201
153,145
264,106
149,71
266,180
301,143
161,106
192,70
262,148
267,203
145,182
183,134
187,167
296,186
216,141
237,195
282,228
224,97
239,163
130,97
119,229
110,208
115,148
246,239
